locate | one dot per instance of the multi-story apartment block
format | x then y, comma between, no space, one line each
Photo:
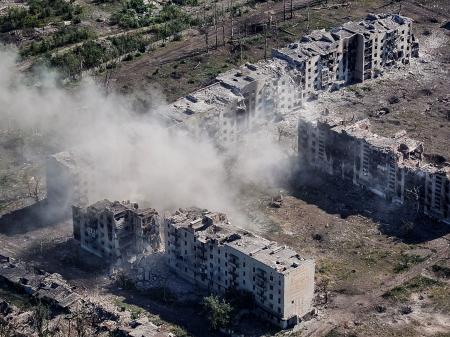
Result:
113,229
393,168
65,183
240,100
204,248
269,89
352,53
252,94
213,111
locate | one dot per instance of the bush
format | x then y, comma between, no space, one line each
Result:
133,14
402,292
407,261
218,311
92,54
65,36
37,12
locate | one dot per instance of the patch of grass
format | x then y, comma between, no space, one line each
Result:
137,311
440,296
372,257
178,331
403,292
133,309
407,261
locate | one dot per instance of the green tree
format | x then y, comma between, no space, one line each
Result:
218,310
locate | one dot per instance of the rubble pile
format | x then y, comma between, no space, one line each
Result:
50,305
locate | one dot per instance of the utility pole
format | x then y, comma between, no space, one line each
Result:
307,25
231,13
265,41
215,25
292,10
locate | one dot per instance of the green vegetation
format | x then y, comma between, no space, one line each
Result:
94,53
440,296
65,36
133,14
137,311
38,14
403,292
406,261
218,310
179,331
186,2
169,21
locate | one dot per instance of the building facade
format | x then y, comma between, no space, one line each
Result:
352,53
393,168
204,248
254,94
113,229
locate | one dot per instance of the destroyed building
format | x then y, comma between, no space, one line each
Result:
24,281
394,168
205,249
248,97
245,97
352,53
113,229
51,289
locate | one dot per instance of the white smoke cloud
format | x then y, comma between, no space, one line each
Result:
135,156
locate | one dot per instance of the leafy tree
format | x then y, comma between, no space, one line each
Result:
37,12
218,311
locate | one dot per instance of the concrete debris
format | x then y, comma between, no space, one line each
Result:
62,309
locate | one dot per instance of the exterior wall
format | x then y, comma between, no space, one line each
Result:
96,232
111,235
437,196
281,298
65,186
375,168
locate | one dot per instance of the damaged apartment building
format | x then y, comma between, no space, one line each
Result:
205,249
114,229
248,96
394,168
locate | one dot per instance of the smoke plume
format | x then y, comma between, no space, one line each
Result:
135,155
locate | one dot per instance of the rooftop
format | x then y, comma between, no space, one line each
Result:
209,226
117,208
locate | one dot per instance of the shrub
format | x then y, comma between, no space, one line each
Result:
65,36
218,311
37,12
133,14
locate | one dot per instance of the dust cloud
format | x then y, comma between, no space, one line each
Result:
134,155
